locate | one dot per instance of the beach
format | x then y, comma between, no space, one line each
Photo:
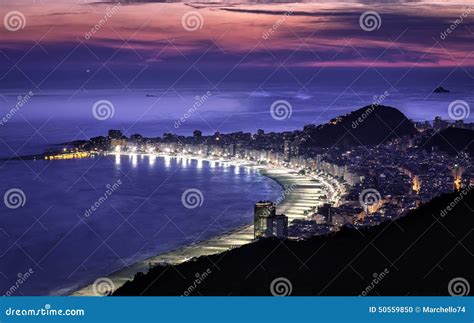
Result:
300,193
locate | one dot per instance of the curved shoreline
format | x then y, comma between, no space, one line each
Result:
303,195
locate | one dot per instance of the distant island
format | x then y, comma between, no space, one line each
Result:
440,89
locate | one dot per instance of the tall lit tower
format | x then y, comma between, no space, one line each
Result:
267,223
416,184
264,213
457,175
281,226
287,150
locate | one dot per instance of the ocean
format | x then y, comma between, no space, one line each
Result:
85,218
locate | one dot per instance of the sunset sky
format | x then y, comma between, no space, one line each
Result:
144,43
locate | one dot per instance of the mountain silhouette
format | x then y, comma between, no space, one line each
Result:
368,126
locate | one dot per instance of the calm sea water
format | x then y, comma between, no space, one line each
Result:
143,216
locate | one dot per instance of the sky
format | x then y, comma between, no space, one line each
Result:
148,44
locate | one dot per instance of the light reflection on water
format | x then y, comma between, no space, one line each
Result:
167,160
152,159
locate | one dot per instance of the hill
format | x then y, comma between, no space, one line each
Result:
418,254
368,126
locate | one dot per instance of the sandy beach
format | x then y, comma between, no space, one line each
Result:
300,194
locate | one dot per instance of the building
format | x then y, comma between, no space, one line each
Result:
267,223
264,212
457,175
287,151
325,211
440,124
230,150
136,138
280,226
117,144
100,142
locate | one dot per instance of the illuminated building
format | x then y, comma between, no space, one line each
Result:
264,212
281,226
287,151
440,124
267,223
337,220
457,174
114,143
136,138
325,211
100,142
68,156
416,184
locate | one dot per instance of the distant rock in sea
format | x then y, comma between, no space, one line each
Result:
440,89
151,96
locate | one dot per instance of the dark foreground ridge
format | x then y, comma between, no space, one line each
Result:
418,254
